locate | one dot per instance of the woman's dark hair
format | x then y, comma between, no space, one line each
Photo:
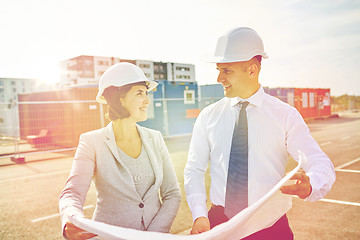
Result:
112,96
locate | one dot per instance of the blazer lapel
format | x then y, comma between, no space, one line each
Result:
110,142
152,151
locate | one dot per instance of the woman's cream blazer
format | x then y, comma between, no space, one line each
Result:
118,203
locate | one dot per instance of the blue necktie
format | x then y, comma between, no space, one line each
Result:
236,198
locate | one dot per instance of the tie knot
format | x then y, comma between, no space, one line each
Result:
244,105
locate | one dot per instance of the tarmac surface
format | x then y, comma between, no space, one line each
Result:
30,191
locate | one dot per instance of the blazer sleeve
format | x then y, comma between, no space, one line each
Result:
169,192
73,195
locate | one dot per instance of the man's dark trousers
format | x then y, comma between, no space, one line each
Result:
279,231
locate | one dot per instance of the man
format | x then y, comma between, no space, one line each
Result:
246,137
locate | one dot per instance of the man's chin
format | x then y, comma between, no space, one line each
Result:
228,94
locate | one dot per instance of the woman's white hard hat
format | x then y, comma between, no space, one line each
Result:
240,44
121,74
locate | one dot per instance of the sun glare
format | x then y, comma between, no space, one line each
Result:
49,74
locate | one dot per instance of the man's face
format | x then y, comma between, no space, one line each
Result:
234,77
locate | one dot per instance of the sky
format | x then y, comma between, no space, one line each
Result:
310,44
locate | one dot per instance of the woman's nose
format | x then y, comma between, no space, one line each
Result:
147,100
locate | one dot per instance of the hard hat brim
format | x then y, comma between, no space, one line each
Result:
230,59
100,98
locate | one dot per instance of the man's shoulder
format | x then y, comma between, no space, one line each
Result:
276,102
277,107
215,106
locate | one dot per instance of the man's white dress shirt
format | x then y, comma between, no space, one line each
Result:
275,129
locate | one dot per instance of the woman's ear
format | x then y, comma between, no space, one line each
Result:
122,101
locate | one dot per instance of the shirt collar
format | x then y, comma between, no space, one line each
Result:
256,99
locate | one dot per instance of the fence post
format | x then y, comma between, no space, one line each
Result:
17,158
166,123
101,115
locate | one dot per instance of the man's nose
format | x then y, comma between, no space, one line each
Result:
220,78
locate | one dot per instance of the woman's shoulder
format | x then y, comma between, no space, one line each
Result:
149,133
93,133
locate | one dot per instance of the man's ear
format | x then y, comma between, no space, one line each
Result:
253,70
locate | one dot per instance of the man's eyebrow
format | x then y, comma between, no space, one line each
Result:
223,68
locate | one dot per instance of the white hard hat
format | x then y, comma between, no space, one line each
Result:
240,44
121,74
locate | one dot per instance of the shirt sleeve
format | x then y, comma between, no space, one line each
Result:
73,196
318,167
194,172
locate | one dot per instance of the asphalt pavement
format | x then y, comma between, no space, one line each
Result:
30,191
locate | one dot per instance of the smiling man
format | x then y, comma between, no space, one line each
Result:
247,137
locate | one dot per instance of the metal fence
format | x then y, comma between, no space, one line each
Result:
49,126
31,127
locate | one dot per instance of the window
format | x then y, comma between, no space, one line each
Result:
189,96
104,63
291,100
326,100
311,99
89,73
304,100
182,68
182,77
142,65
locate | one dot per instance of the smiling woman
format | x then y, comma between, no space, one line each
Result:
132,96
130,164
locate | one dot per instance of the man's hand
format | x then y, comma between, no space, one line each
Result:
302,188
201,224
74,233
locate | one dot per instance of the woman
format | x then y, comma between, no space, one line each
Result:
131,167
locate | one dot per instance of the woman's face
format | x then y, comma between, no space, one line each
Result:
136,101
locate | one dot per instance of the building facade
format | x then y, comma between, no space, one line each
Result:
10,88
83,70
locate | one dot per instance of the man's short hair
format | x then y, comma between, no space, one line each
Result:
259,58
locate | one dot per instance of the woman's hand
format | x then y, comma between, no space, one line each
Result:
72,232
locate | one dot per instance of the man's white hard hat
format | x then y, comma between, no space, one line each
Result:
240,44
121,74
